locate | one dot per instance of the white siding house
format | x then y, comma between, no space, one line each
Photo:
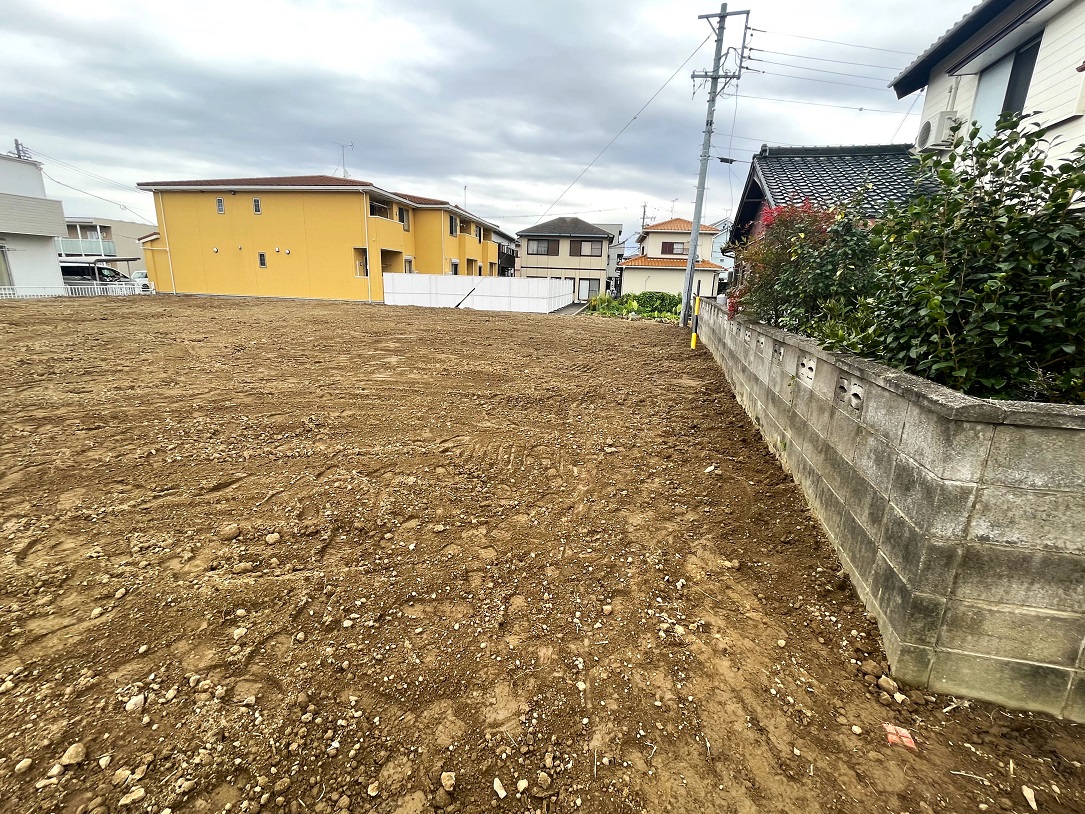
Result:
29,224
1021,56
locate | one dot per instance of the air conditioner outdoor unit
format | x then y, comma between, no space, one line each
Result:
935,131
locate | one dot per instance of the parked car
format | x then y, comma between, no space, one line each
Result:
141,279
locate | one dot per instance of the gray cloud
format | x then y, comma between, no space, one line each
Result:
510,99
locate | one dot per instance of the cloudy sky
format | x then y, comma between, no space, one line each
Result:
510,99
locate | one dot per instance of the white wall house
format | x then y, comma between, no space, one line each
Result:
29,224
664,252
1021,56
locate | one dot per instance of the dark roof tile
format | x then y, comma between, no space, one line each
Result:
566,227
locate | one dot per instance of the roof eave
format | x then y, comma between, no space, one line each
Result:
917,75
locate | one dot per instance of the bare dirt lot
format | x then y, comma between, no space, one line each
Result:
318,557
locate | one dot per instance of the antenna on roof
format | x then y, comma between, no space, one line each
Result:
343,152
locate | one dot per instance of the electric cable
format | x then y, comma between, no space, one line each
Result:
835,42
99,197
819,70
824,59
626,127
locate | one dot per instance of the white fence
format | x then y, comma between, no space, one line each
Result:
32,292
526,294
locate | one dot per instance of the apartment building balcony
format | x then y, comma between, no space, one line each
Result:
75,247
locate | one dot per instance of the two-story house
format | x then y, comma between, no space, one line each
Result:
1017,56
664,252
313,236
567,248
29,224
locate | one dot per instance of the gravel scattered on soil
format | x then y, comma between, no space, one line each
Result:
279,556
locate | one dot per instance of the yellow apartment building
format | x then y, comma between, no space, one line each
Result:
313,236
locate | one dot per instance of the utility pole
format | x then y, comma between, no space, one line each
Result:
643,214
706,148
21,151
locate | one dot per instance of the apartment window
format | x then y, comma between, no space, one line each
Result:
452,223
478,233
256,206
379,209
408,265
1003,87
675,248
493,269
455,265
465,226
361,263
220,205
586,248
261,258
549,247
405,218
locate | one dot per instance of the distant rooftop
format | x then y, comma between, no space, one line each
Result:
678,225
273,181
566,227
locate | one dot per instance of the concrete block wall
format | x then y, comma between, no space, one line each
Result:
961,521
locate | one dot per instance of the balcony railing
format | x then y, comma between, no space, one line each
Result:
95,248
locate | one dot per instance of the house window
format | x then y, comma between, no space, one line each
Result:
361,263
586,248
220,205
408,265
405,218
1003,87
478,233
379,209
452,221
549,247
675,248
455,266
493,269
256,206
261,258
5,268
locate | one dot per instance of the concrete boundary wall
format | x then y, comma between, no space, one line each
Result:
961,521
528,295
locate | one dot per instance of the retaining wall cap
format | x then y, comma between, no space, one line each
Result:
935,397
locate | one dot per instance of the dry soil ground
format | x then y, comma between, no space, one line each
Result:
306,557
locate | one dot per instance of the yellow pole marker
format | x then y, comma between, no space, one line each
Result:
696,314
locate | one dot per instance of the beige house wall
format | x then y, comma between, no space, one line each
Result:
638,279
653,243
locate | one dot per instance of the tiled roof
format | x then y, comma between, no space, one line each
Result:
830,176
566,227
679,225
418,199
274,181
665,262
826,177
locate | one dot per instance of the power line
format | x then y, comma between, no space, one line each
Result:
834,42
825,59
819,70
815,79
819,104
626,127
99,197
906,115
126,187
